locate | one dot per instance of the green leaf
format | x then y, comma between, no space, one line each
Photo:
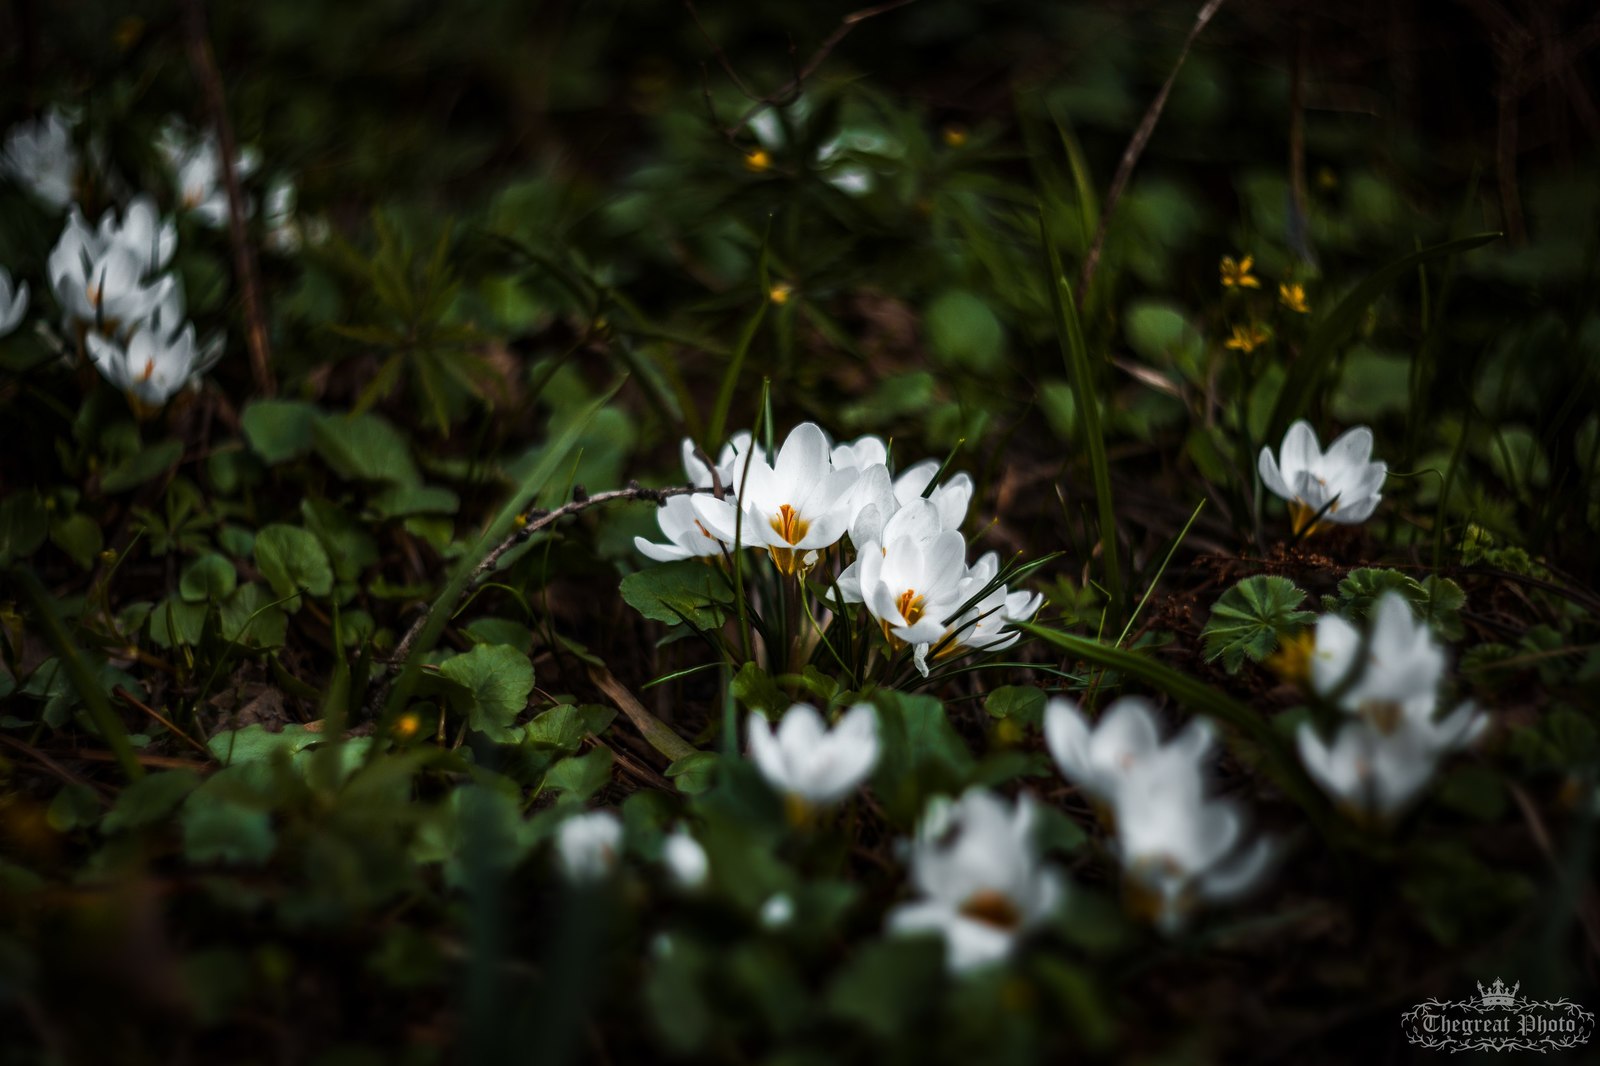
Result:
209,579
1437,600
24,523
278,430
579,776
1020,703
364,447
399,501
498,679
888,984
292,560
226,821
141,466
150,800
1161,335
75,806
1250,618
694,773
686,590
754,688
252,616
963,331
564,727
79,536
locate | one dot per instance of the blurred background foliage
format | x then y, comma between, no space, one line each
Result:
506,208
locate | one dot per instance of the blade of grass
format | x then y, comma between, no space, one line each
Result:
1340,323
1076,355
83,680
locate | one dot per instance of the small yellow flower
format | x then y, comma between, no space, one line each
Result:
780,293
521,521
1292,660
408,725
1293,296
1237,274
954,136
757,160
1247,339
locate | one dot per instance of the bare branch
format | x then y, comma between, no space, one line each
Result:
204,64
1131,154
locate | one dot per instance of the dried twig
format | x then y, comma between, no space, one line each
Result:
1131,154
660,735
537,521
244,258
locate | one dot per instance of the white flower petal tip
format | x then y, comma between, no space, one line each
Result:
981,883
809,763
588,844
685,859
13,302
1342,485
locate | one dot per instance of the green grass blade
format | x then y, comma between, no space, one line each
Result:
1076,355
83,680
1340,323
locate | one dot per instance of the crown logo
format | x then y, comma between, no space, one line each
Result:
1498,995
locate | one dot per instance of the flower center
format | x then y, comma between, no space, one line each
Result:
992,908
1384,715
788,524
149,370
910,606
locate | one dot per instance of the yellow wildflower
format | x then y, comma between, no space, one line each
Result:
757,160
1292,660
780,293
954,136
1293,296
1237,274
1247,339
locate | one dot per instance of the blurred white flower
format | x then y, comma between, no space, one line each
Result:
103,279
777,911
40,156
152,365
1125,738
13,302
910,584
587,845
1344,479
685,859
278,217
196,163
1389,681
1399,664
793,507
810,764
980,881
1179,848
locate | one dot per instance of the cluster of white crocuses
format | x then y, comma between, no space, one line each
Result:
909,569
1341,485
1178,847
119,298
1386,685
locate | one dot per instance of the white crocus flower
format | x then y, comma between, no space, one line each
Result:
861,453
1178,847
196,163
587,845
152,366
1376,764
1400,665
103,279
811,765
685,859
986,625
911,583
1100,758
1340,485
687,536
794,507
879,497
39,155
980,881
13,302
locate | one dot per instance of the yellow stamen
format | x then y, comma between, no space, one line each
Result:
910,606
1303,517
149,370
